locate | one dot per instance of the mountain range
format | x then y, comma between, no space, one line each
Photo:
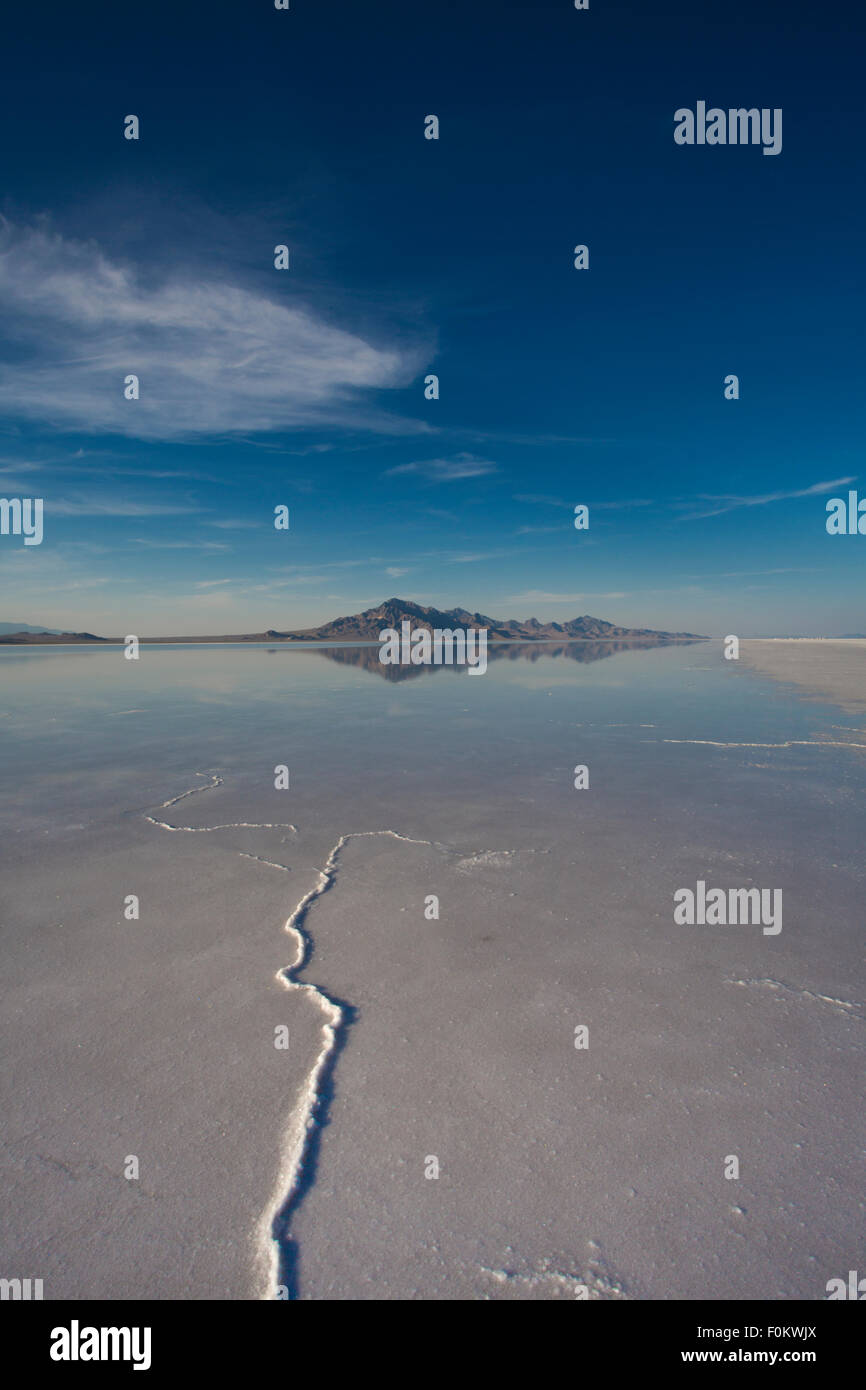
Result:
366,626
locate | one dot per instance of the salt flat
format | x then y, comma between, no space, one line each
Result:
558,1167
561,1167
824,668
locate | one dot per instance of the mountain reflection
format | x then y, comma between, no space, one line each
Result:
366,658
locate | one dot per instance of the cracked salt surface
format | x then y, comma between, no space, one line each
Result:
309,1201
456,1036
469,1057
302,1121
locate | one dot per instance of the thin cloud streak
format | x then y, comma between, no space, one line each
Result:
442,470
730,502
541,596
84,505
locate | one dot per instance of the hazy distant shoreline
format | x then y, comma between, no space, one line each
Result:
69,640
368,626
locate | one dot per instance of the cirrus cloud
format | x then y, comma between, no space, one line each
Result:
213,358
445,470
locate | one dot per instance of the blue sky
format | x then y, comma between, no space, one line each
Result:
306,387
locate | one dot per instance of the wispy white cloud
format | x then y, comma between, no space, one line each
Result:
543,596
534,441
535,499
106,464
212,357
176,545
94,504
743,574
444,470
623,505
18,466
292,570
34,574
728,502
539,530
472,557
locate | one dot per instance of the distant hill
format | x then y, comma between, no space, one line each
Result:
366,626
35,637
26,627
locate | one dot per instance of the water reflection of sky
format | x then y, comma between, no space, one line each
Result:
536,711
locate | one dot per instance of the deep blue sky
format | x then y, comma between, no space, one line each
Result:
305,387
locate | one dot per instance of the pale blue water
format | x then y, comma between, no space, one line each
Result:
85,731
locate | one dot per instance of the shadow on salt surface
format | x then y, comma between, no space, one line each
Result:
287,1256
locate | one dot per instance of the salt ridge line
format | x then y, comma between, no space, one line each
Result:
230,825
217,781
270,862
789,743
303,1118
854,1009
